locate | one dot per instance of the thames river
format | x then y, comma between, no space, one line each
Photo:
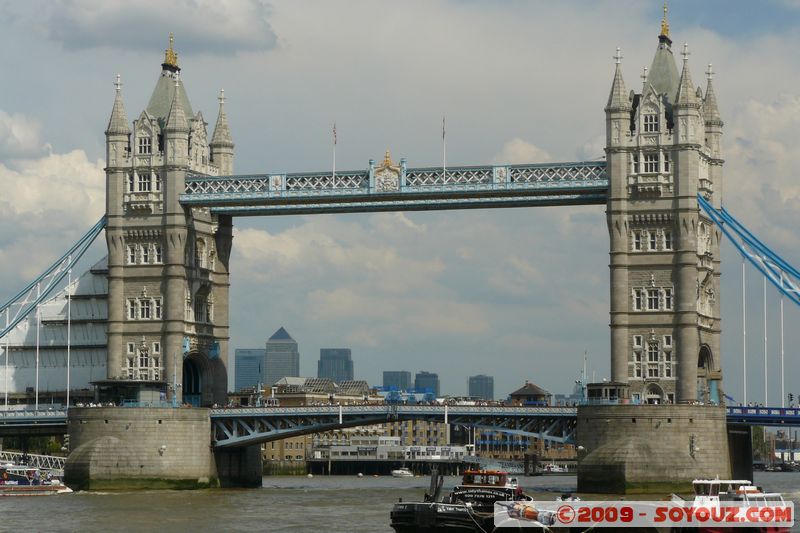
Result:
320,504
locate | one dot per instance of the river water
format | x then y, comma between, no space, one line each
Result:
284,504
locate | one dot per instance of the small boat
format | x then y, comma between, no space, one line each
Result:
29,481
553,468
402,472
468,508
726,492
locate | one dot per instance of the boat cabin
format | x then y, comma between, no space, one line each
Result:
490,478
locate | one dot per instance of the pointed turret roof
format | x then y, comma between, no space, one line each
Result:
686,93
618,98
118,123
222,133
176,120
164,92
663,73
281,335
710,104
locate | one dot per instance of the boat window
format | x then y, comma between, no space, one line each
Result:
701,489
714,489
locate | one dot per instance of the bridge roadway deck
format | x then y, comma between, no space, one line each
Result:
237,425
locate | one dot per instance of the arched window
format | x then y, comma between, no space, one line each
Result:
200,253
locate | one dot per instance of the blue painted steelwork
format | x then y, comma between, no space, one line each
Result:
247,426
25,302
414,189
764,416
22,422
781,274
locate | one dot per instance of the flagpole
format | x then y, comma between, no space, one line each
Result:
334,155
444,150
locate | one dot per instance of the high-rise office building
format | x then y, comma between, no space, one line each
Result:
396,379
282,359
335,364
481,386
427,382
249,367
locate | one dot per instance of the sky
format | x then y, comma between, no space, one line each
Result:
517,293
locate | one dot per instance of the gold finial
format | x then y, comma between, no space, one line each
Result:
664,23
170,57
387,159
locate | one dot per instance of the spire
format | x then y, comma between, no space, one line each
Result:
710,107
170,56
176,119
387,159
686,94
222,134
118,124
665,25
618,98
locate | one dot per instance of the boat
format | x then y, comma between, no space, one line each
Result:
16,480
737,492
402,472
553,468
468,508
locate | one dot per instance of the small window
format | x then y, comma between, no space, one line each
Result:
637,299
650,123
131,254
668,300
145,145
157,182
159,258
637,241
131,182
667,239
635,164
667,340
131,348
132,309
650,163
144,309
667,162
144,182
146,254
156,348
652,299
652,371
652,241
157,308
637,341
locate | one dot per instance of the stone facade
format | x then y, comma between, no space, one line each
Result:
168,277
650,448
663,149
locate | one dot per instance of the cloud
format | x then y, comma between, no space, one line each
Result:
219,27
517,151
19,136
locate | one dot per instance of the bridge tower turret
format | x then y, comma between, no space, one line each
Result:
168,271
662,149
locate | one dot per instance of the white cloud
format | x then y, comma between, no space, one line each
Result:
517,151
19,136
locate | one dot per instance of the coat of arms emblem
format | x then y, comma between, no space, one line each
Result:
387,175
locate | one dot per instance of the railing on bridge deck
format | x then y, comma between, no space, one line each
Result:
33,418
46,462
764,416
583,182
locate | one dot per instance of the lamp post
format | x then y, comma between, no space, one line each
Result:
174,386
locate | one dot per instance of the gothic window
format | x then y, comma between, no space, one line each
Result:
652,360
146,254
157,182
131,182
650,123
132,309
131,254
652,241
637,241
200,253
144,182
667,239
199,310
159,258
637,299
130,368
635,164
652,299
668,300
667,162
144,309
157,308
145,146
650,163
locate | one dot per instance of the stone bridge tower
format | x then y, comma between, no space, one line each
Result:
663,149
168,277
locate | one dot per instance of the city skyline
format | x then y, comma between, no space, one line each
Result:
443,291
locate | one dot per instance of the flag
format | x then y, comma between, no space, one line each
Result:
334,133
443,130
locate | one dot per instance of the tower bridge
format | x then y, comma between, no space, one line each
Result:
172,195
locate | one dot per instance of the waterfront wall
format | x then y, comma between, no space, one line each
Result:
125,448
650,448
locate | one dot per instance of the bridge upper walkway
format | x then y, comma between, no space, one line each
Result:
409,189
